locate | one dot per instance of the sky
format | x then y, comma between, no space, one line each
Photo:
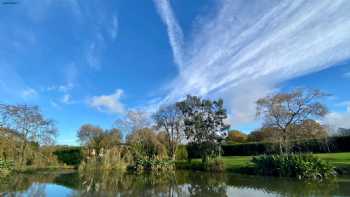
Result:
92,61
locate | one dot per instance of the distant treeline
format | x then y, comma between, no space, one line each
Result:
331,144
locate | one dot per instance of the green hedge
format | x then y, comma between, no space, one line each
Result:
333,144
69,155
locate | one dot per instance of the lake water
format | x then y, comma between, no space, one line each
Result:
181,183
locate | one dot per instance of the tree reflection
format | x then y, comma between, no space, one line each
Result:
179,183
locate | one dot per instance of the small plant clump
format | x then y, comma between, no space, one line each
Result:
301,166
154,165
6,167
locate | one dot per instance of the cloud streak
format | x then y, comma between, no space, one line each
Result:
246,50
174,30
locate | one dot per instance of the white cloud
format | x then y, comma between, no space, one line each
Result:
54,104
92,57
246,50
62,88
174,31
108,103
339,119
114,28
66,99
29,93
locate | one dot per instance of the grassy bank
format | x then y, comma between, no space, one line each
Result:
341,161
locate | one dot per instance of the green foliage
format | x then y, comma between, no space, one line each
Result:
301,166
215,165
332,144
203,123
69,155
181,153
154,165
6,167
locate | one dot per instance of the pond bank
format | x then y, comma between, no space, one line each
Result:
341,161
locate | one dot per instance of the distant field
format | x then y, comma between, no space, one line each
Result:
232,163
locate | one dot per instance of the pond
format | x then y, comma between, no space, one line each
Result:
180,183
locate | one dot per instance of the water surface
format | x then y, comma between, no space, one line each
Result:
180,183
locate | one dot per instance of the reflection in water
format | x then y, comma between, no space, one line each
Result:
181,183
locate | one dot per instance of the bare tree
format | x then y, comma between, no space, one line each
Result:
29,123
134,120
169,119
283,111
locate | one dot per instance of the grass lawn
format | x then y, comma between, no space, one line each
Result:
233,163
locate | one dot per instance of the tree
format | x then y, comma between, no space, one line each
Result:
204,123
256,136
29,123
283,111
134,120
236,136
169,119
145,144
92,137
343,132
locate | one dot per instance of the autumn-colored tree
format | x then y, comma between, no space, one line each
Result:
235,136
145,144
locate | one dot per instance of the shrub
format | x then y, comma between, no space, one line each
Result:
215,165
69,155
181,153
6,167
142,165
301,166
205,151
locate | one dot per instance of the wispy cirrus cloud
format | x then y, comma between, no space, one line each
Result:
108,103
174,30
29,93
247,49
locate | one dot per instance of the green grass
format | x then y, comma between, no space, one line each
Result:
234,163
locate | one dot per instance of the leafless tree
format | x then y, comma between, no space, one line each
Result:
169,119
134,120
29,123
283,111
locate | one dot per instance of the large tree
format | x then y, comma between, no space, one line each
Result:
30,125
169,119
204,123
236,136
286,111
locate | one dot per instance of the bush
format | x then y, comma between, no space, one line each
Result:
181,153
142,165
205,150
301,166
216,165
6,167
69,155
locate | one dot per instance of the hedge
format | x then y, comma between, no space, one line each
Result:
69,155
332,144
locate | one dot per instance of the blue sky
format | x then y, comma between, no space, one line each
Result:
91,61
